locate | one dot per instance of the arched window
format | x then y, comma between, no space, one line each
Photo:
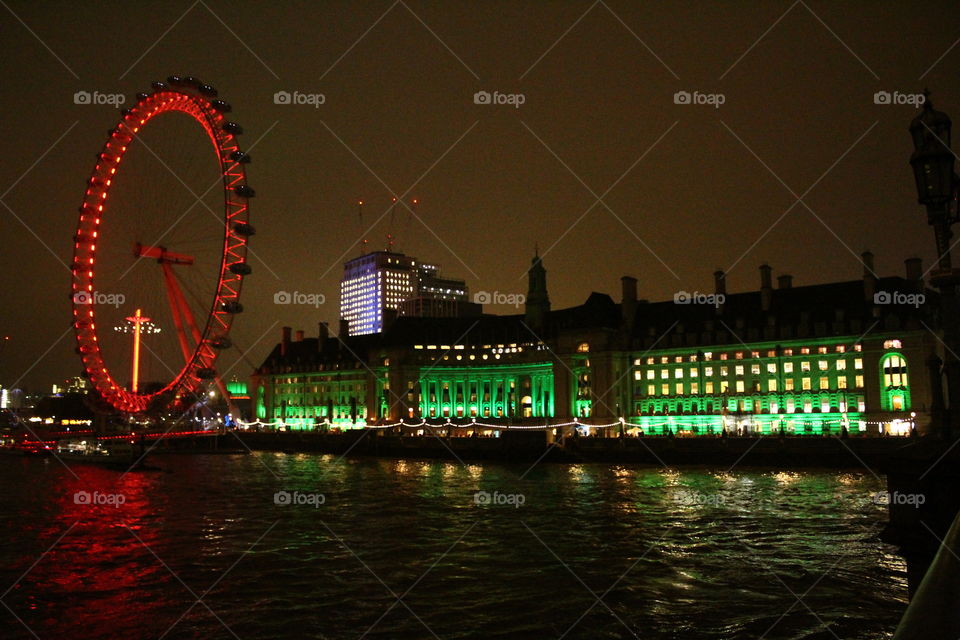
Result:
895,389
894,371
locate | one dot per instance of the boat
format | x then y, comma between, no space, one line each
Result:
117,452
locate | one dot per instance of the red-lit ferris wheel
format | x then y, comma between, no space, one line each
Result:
199,338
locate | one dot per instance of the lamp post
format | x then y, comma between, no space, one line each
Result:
937,185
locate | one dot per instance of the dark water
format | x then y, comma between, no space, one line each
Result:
595,551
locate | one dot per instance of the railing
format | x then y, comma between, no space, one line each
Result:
933,612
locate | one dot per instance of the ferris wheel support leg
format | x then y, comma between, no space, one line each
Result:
174,310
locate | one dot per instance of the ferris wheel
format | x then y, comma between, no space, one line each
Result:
198,296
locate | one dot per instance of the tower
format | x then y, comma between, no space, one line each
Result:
538,300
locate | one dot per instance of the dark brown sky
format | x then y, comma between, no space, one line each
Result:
798,82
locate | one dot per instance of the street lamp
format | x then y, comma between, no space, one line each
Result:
937,185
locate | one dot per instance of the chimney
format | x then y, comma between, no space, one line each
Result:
915,272
324,332
344,328
719,282
628,300
299,335
284,340
785,281
869,278
766,286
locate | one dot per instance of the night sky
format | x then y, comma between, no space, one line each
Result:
685,188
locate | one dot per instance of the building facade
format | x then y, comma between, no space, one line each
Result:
860,356
376,284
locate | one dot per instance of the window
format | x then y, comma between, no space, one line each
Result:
858,347
694,387
823,365
694,373
664,374
739,369
788,352
739,355
772,384
693,358
805,365
791,407
805,350
755,369
678,359
637,375
708,356
807,406
824,382
708,371
678,373
754,354
841,348
679,388
724,371
739,386
772,353
651,389
708,387
788,384
583,347
651,374
892,344
650,360
858,363
894,371
821,349
861,405
805,384
842,382
841,364
664,360
724,386
723,356
665,389
860,382
788,367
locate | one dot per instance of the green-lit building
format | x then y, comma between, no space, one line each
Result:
859,355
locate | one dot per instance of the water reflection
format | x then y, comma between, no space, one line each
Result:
695,553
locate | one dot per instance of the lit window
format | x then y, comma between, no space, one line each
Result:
708,356
665,389
859,382
739,369
842,382
841,365
723,356
739,355
651,374
739,386
841,348
694,387
679,388
664,374
772,353
788,367
708,387
805,384
755,369
772,385
771,367
724,371
651,390
858,363
824,382
788,352
804,350
823,365
678,359
694,373
678,373
708,371
637,375
858,347
821,349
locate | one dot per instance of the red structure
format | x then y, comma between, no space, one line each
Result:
205,339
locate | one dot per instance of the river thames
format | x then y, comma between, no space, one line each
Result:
309,546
